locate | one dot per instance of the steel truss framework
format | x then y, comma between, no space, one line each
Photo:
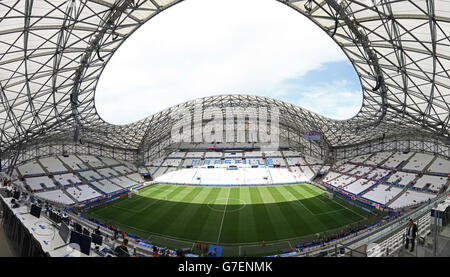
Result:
52,54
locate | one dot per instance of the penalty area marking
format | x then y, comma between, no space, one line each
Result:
295,200
156,200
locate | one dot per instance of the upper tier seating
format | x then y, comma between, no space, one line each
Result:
345,167
294,161
401,178
130,165
378,173
122,169
91,161
194,155
109,161
396,159
30,168
108,172
331,175
360,159
440,165
67,179
156,162
418,162
342,181
377,158
292,154
90,175
73,162
312,160
360,170
53,165
177,155
172,162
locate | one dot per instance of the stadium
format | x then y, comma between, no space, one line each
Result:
231,175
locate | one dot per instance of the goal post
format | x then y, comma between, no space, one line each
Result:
329,194
132,193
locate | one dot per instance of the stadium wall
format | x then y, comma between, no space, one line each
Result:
428,145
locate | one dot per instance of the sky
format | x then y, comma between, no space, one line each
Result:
201,48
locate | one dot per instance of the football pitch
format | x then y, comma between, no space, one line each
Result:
238,218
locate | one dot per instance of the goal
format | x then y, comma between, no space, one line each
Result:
329,194
132,193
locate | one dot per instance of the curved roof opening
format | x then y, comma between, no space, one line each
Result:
209,47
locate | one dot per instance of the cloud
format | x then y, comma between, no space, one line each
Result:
208,47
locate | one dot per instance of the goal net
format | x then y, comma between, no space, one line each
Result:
132,193
330,195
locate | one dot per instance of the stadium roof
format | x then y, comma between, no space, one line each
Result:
52,54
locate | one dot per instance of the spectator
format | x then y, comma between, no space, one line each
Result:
122,250
97,231
411,233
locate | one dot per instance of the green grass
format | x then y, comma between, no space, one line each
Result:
229,215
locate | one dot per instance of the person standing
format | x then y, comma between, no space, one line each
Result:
411,232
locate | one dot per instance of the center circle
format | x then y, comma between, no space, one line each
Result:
225,203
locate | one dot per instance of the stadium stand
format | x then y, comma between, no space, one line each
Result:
434,183
90,175
106,186
410,198
53,165
382,193
91,161
39,183
82,193
73,162
108,172
30,169
56,196
418,162
440,166
402,178
396,159
67,179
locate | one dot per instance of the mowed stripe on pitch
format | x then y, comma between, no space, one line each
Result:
169,210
